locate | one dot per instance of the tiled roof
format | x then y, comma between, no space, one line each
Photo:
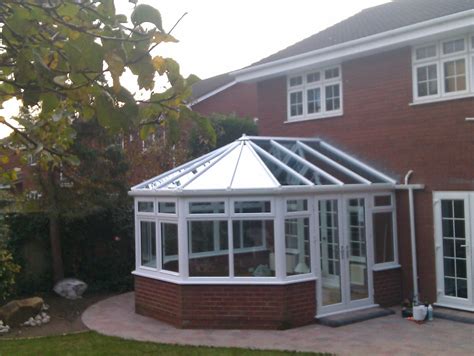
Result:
208,85
374,20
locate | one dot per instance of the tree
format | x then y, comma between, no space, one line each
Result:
64,60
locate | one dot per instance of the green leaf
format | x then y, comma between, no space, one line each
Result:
116,67
146,13
49,102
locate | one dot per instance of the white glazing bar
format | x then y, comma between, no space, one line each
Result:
181,167
264,166
280,248
281,165
225,153
183,250
357,162
236,164
268,138
306,163
333,163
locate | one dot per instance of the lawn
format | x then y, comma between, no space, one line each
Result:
91,343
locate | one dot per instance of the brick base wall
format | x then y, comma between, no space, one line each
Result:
388,287
227,306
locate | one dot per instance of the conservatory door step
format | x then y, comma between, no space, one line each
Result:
454,315
354,316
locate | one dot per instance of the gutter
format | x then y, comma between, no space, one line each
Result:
389,38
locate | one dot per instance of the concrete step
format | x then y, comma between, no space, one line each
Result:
354,316
454,315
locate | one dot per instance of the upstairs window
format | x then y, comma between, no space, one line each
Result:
441,70
315,94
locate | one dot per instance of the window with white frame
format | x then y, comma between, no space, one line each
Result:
169,247
383,217
148,244
444,69
315,94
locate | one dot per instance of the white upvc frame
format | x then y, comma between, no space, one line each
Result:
384,209
145,200
322,84
442,299
440,59
138,243
167,200
159,244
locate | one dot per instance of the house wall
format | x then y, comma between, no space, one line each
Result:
380,127
227,306
240,99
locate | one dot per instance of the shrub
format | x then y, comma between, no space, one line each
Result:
8,271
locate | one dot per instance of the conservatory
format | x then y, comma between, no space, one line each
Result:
266,232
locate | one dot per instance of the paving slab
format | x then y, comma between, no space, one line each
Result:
390,335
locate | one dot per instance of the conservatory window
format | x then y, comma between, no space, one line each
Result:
212,207
315,94
442,70
146,207
383,237
253,248
148,244
166,207
252,207
208,248
298,256
296,205
169,247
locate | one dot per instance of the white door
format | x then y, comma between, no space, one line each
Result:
345,282
454,248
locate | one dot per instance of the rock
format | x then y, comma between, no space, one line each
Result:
70,288
45,307
17,311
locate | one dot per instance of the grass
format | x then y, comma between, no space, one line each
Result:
91,343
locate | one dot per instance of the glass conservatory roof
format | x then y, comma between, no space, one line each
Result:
267,162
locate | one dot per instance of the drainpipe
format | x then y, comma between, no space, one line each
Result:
412,236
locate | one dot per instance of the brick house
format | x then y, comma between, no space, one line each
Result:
393,89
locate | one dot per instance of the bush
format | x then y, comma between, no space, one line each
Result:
8,272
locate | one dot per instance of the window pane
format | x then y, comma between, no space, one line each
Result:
453,46
426,52
252,207
298,257
296,103
169,247
383,200
383,237
215,207
145,206
455,75
331,73
208,248
167,207
296,81
427,79
332,97
313,77
148,243
255,255
296,205
314,100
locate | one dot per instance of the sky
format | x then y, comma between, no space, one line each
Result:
218,36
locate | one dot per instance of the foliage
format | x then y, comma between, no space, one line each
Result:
91,343
8,268
65,60
227,128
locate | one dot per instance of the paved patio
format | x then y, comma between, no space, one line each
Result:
390,335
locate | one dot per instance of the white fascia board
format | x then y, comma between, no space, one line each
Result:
283,190
370,44
212,93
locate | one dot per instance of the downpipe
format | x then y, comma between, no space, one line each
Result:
411,204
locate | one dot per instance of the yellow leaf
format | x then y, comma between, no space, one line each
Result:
163,37
51,60
74,35
160,64
4,159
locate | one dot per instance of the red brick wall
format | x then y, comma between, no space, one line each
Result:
387,287
227,306
240,99
380,127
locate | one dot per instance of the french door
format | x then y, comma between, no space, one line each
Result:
345,282
454,248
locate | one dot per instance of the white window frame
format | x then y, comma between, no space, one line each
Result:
440,59
384,209
139,220
146,200
322,84
158,201
160,241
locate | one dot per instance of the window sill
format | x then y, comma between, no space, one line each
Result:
441,99
385,267
319,117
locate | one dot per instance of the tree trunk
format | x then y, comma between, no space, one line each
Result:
56,252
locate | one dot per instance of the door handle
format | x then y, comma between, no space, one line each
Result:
464,245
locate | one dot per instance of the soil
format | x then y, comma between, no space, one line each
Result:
65,317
